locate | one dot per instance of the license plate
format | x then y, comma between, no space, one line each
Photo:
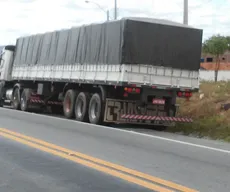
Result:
158,101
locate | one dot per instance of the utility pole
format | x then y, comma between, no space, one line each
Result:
185,12
107,13
115,9
99,6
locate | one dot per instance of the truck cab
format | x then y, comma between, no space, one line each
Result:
6,62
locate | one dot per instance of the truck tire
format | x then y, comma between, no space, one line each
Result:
16,99
69,103
95,109
24,102
1,102
81,107
2,90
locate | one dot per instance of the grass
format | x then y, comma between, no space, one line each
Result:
209,119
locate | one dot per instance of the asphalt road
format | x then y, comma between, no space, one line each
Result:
23,169
199,164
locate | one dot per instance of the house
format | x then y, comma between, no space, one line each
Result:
208,62
208,58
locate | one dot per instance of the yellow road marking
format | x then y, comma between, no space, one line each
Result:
89,164
105,163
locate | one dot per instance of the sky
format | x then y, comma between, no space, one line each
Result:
25,17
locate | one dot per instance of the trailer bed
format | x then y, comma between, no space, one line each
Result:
131,50
111,74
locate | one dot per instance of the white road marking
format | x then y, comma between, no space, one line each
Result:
130,132
183,142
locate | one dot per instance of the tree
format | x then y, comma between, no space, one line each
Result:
228,40
216,45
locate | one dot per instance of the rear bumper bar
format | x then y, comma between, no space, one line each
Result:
157,118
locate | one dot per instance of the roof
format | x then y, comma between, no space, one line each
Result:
158,21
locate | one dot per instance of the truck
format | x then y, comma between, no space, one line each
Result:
130,70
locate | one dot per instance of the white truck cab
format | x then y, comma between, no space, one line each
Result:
6,62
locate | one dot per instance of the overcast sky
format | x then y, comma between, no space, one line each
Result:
24,17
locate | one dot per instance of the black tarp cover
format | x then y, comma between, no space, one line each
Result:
126,41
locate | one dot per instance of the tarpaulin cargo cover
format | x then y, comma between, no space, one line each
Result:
126,41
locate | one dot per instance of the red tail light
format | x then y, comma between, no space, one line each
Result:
188,94
132,90
185,94
179,94
138,90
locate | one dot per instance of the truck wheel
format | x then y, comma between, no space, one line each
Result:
69,103
16,99
2,90
81,107
95,109
1,102
24,103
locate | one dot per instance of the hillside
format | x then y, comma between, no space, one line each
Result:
209,109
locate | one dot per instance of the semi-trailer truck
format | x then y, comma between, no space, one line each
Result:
125,71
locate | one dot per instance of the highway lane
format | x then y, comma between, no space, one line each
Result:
201,164
23,169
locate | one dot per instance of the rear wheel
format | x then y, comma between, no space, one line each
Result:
69,103
95,109
81,107
16,99
2,90
24,102
1,102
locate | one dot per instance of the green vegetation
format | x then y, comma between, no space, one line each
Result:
210,120
228,40
216,45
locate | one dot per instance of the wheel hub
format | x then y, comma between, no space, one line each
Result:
79,108
68,103
23,102
94,110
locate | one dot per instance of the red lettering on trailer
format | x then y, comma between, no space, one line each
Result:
128,112
158,101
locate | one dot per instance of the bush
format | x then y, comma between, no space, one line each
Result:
209,119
